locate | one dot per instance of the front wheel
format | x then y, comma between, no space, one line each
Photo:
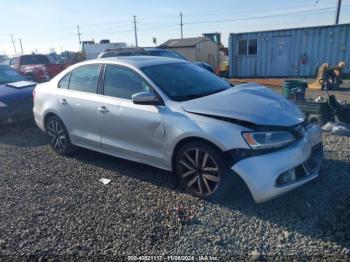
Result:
202,171
58,136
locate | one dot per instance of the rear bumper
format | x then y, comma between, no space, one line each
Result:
39,120
260,173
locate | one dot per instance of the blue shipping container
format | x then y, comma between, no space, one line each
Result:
288,52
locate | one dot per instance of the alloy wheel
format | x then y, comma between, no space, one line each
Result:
56,134
199,171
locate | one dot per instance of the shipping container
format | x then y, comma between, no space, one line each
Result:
289,52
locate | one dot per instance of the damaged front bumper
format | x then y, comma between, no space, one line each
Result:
300,161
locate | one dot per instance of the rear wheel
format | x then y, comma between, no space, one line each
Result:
202,170
58,136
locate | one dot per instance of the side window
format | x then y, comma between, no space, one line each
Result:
64,82
252,47
14,61
122,83
85,78
248,47
242,47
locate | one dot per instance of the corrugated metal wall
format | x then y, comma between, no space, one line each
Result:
291,52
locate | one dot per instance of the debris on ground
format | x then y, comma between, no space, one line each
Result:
105,181
337,128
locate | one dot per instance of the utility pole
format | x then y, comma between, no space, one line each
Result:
79,35
135,29
337,12
181,25
20,44
13,43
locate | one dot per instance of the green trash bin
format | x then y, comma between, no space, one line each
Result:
294,89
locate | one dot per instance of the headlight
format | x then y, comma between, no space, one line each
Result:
265,140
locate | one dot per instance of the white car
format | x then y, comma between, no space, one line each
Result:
177,116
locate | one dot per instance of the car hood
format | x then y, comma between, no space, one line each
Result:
16,91
250,103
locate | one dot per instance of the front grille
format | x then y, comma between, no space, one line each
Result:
299,131
309,167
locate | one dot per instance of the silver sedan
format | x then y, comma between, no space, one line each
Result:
177,116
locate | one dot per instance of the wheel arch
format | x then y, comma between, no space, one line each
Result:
190,139
50,114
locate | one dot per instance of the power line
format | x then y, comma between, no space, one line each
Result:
253,18
312,7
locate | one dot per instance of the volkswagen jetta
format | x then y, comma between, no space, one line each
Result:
177,116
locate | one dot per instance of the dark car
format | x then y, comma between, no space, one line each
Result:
16,91
149,51
153,51
132,51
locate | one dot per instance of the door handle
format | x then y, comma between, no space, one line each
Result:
103,109
64,101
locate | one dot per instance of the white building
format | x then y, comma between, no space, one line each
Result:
93,50
197,49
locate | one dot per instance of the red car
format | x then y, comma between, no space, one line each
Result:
38,67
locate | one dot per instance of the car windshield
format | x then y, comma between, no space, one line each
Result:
8,75
34,60
165,53
185,81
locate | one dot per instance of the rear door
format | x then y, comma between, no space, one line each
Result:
78,101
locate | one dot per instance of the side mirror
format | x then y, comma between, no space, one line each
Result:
146,98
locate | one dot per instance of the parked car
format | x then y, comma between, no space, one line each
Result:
16,102
150,51
177,116
38,67
172,54
133,51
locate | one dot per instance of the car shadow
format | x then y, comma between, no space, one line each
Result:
128,168
319,209
23,134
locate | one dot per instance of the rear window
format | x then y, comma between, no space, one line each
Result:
34,60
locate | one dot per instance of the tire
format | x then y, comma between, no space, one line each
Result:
58,136
202,171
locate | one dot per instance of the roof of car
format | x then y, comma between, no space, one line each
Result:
138,61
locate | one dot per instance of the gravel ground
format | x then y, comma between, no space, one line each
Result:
55,207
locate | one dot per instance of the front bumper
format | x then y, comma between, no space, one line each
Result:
260,172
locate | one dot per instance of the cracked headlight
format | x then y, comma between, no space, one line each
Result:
266,140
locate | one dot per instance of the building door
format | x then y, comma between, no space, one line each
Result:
280,56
